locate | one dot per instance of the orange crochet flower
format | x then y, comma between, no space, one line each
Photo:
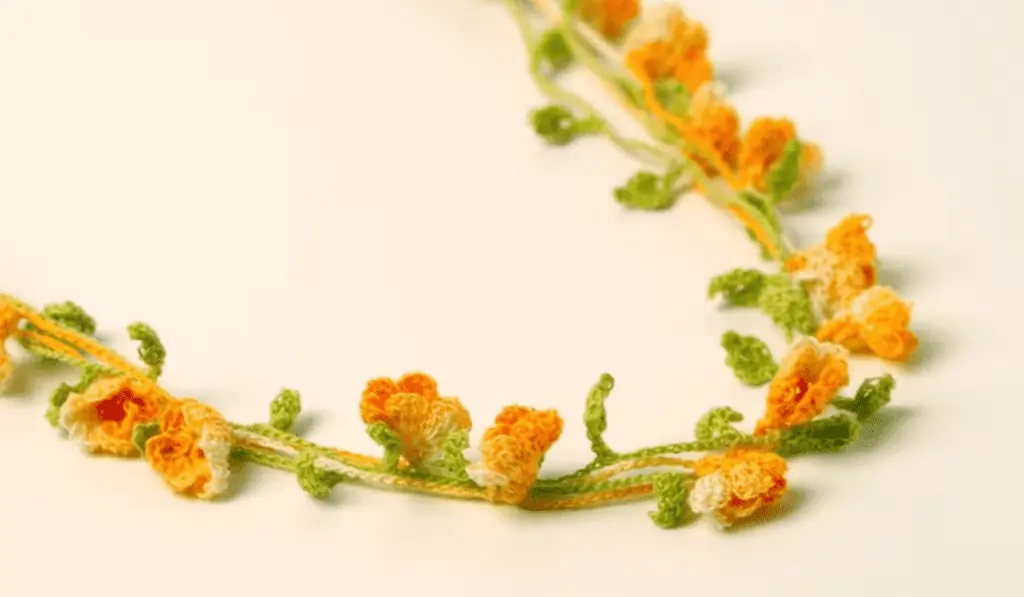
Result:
877,321
762,147
413,410
840,268
192,450
734,485
610,17
666,44
807,381
9,320
103,416
717,124
512,450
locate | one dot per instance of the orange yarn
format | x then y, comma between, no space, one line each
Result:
763,145
841,267
681,53
877,321
103,416
718,124
512,449
610,17
748,479
9,319
807,381
849,239
413,410
192,450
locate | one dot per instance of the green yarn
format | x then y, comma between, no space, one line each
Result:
277,461
670,490
70,315
554,50
777,296
739,287
717,424
284,409
453,463
315,481
60,395
760,207
595,417
749,358
784,174
558,126
873,394
66,314
151,350
141,433
828,434
787,304
386,438
649,191
673,96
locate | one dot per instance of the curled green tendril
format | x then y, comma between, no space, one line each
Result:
151,350
595,417
558,126
70,315
284,409
873,394
649,191
554,50
314,480
717,424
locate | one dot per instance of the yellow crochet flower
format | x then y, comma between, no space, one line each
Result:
734,485
762,147
807,381
877,321
610,17
840,268
512,450
666,44
413,410
103,416
192,450
9,319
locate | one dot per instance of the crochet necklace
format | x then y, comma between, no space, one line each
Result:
823,298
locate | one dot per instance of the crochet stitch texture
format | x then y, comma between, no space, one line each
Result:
824,298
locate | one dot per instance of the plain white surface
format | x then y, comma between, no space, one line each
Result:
312,193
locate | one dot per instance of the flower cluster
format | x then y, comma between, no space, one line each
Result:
737,484
186,442
512,451
667,46
807,381
840,275
418,418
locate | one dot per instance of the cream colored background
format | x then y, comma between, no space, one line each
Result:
311,193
